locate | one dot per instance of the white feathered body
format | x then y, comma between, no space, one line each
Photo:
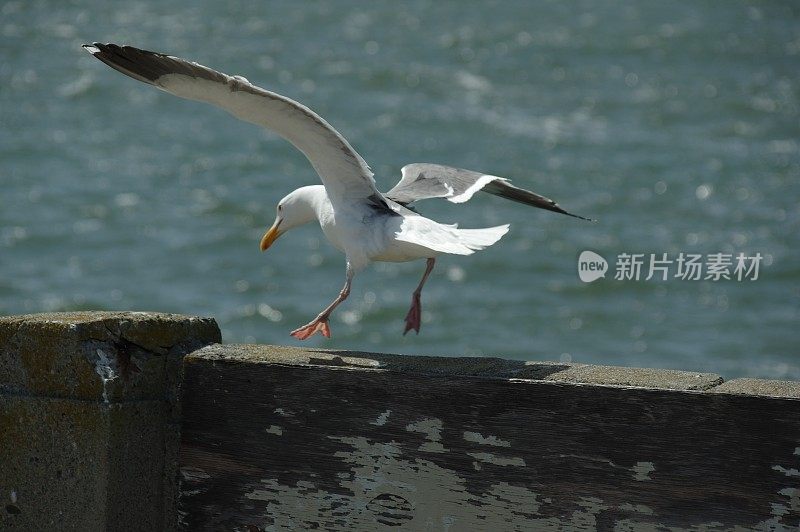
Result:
364,233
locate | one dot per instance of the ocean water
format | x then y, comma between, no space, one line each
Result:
676,125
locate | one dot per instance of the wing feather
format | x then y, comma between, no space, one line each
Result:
344,173
425,180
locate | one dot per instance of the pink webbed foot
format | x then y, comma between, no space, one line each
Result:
414,315
312,328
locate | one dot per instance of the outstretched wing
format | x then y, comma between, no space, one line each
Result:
343,172
424,180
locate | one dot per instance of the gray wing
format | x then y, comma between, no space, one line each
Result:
343,172
425,180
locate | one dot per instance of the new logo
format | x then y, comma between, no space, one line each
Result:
591,266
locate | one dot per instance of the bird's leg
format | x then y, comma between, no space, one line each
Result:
414,315
320,323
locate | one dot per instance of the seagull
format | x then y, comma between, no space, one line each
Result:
363,223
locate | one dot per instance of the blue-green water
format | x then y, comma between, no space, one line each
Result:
676,124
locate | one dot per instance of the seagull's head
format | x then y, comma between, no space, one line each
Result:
297,208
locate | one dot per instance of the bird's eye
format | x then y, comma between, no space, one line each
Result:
280,207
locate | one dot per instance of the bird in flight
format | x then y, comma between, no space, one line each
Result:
363,223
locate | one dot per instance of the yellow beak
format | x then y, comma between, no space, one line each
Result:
271,235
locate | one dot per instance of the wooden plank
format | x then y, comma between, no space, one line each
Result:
291,439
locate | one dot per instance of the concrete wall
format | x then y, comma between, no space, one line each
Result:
89,418
275,438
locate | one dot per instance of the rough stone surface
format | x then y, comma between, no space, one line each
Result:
761,387
89,418
662,379
98,355
51,450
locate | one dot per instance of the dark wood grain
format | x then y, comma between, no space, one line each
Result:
271,445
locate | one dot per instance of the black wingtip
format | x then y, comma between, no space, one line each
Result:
592,220
555,207
141,65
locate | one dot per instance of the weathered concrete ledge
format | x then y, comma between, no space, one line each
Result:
284,438
89,418
664,379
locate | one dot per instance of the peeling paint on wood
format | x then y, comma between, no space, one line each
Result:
374,449
485,440
382,419
490,458
432,428
274,429
642,470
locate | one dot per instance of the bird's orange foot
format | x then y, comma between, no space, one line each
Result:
414,315
310,329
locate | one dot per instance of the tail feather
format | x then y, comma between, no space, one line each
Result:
477,239
442,238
